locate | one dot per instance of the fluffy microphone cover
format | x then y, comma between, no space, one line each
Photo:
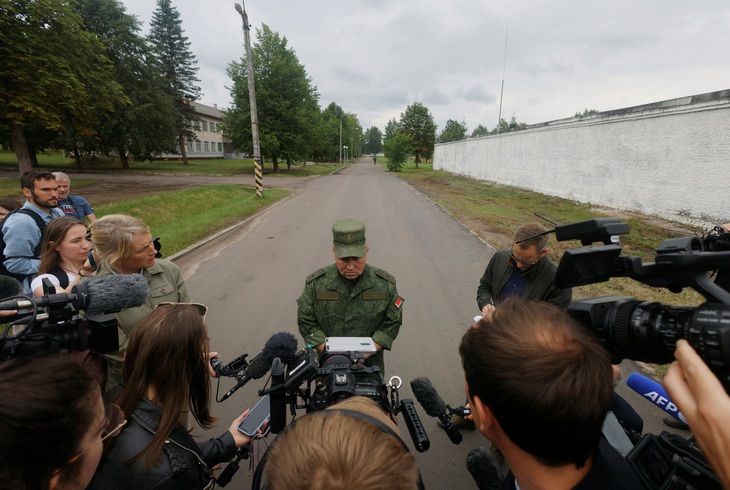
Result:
116,292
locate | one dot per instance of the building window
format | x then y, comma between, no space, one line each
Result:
212,127
196,125
205,125
197,145
220,147
190,146
205,145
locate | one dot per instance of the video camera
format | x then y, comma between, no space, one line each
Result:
51,324
313,383
648,331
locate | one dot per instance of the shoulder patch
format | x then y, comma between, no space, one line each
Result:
314,275
385,275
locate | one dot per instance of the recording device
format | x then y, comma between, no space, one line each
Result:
435,406
256,418
52,323
648,331
655,393
312,382
281,345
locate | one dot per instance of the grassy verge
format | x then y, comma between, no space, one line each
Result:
494,211
55,161
180,219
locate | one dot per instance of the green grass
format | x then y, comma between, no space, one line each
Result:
55,161
182,218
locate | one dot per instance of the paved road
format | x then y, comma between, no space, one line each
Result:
252,281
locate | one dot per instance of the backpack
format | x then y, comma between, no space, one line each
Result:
36,253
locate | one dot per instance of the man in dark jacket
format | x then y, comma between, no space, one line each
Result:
524,270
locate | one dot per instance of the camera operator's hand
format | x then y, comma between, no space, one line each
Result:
725,227
703,401
211,371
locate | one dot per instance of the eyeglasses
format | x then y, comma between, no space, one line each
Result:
115,420
200,308
522,260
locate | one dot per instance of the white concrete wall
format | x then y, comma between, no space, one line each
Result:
670,159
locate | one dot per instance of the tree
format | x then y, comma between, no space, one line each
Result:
286,100
55,74
373,140
586,112
480,130
505,126
173,59
453,131
417,123
397,149
391,129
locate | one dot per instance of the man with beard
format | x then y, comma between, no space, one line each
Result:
22,230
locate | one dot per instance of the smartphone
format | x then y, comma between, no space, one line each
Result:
256,418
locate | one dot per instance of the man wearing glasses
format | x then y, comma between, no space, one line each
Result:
524,270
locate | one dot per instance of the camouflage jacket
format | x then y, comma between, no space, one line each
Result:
328,309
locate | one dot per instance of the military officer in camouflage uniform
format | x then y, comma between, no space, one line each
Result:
350,298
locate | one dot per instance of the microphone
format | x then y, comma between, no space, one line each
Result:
484,468
435,406
655,393
98,295
282,345
277,398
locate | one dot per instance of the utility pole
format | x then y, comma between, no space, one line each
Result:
501,92
340,161
258,174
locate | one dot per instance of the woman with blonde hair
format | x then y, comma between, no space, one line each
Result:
124,245
64,250
165,372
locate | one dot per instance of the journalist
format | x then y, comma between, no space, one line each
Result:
123,245
52,424
166,370
540,387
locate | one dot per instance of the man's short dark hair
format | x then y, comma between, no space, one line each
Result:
546,379
529,231
29,178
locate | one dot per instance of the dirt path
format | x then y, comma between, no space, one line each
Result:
109,187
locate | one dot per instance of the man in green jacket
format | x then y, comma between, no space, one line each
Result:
525,270
350,298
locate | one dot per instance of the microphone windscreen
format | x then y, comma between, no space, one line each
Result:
484,468
9,287
428,397
655,393
282,345
258,367
115,292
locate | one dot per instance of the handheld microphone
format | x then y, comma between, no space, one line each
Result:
435,406
415,427
655,393
277,400
282,345
98,295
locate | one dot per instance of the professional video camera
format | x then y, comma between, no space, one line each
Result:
648,331
313,383
52,323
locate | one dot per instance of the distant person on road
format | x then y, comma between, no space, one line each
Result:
23,230
375,160
540,387
350,298
75,206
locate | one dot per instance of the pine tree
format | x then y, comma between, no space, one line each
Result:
178,65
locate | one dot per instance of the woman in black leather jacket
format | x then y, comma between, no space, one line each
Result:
165,371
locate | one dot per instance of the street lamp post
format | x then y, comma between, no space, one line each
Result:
252,102
345,148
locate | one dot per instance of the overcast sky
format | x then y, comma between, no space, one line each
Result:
375,57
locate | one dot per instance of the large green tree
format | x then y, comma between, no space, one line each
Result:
373,140
286,102
391,129
173,59
55,75
417,122
453,131
480,130
146,126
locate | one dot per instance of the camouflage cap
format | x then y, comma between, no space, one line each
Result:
348,236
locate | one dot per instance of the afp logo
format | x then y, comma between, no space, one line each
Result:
665,404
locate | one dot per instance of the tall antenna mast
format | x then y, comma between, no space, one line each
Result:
501,92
